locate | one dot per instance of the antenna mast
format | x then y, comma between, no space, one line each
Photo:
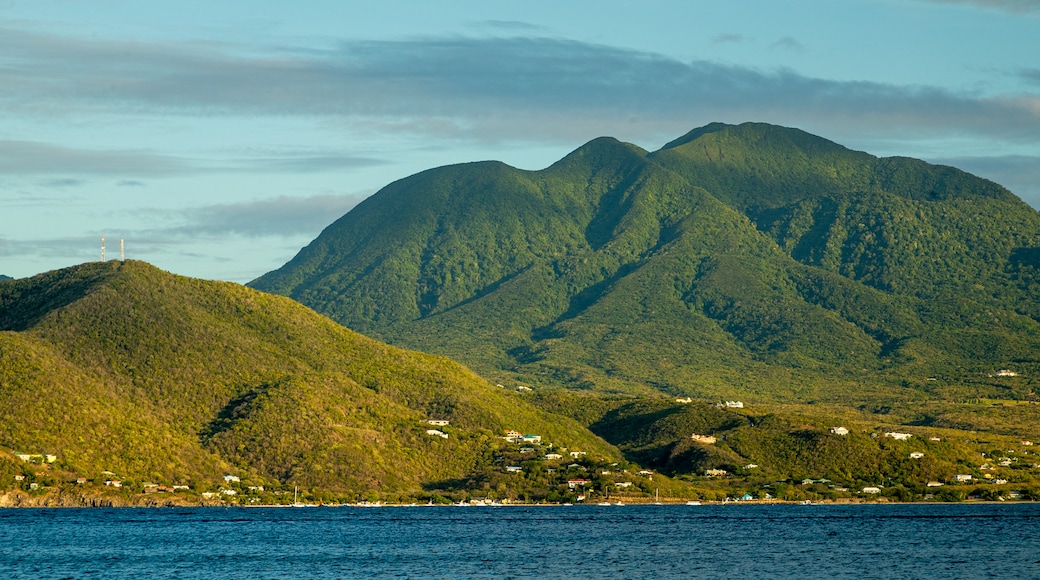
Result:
122,255
102,245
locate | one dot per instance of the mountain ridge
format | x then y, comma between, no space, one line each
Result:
732,252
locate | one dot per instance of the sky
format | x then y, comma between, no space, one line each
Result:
218,138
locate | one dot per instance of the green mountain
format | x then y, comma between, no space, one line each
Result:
121,367
2,278
738,261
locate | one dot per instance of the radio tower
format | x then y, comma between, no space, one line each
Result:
102,245
122,255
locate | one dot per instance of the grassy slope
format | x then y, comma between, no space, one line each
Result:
127,368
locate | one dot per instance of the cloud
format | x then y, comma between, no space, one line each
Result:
1031,75
1013,6
280,217
130,183
479,88
32,158
788,43
62,183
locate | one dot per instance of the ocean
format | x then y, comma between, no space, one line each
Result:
646,541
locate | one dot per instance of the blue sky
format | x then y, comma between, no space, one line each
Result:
217,139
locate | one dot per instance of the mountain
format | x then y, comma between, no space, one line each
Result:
2,278
752,261
124,368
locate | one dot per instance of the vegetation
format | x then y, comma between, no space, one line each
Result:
121,368
744,261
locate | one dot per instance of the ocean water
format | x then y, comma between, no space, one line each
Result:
759,541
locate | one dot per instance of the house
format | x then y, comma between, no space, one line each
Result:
228,492
934,484
527,450
706,439
553,456
839,431
1006,373
436,433
23,456
523,389
731,405
935,438
751,466
962,478
438,422
715,473
113,483
999,481
180,488
646,472
1026,443
624,484
81,480
898,436
577,454
531,438
232,479
916,455
50,458
747,497
19,477
34,485
514,469
573,483
684,400
871,489
513,434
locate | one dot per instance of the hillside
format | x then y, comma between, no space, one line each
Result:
745,261
122,368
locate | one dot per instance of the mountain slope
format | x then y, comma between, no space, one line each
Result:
747,260
121,367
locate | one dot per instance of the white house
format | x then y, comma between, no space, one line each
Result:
871,489
553,456
577,454
514,469
916,455
624,484
715,473
839,431
706,439
438,422
232,478
962,478
898,436
436,433
934,484
684,400
531,438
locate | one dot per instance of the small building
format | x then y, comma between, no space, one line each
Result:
715,473
527,450
916,455
553,456
573,483
646,472
577,454
935,438
514,469
624,484
705,439
731,405
871,489
751,466
232,479
531,438
962,478
898,436
438,422
437,433
1006,373
19,477
523,389
934,484
1026,443
113,483
34,485
228,492
81,480
684,400
839,431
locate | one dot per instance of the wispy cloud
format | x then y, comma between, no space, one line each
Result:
728,39
1019,173
478,88
31,158
279,217
788,43
1014,6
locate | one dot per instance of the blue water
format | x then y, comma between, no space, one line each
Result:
763,541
